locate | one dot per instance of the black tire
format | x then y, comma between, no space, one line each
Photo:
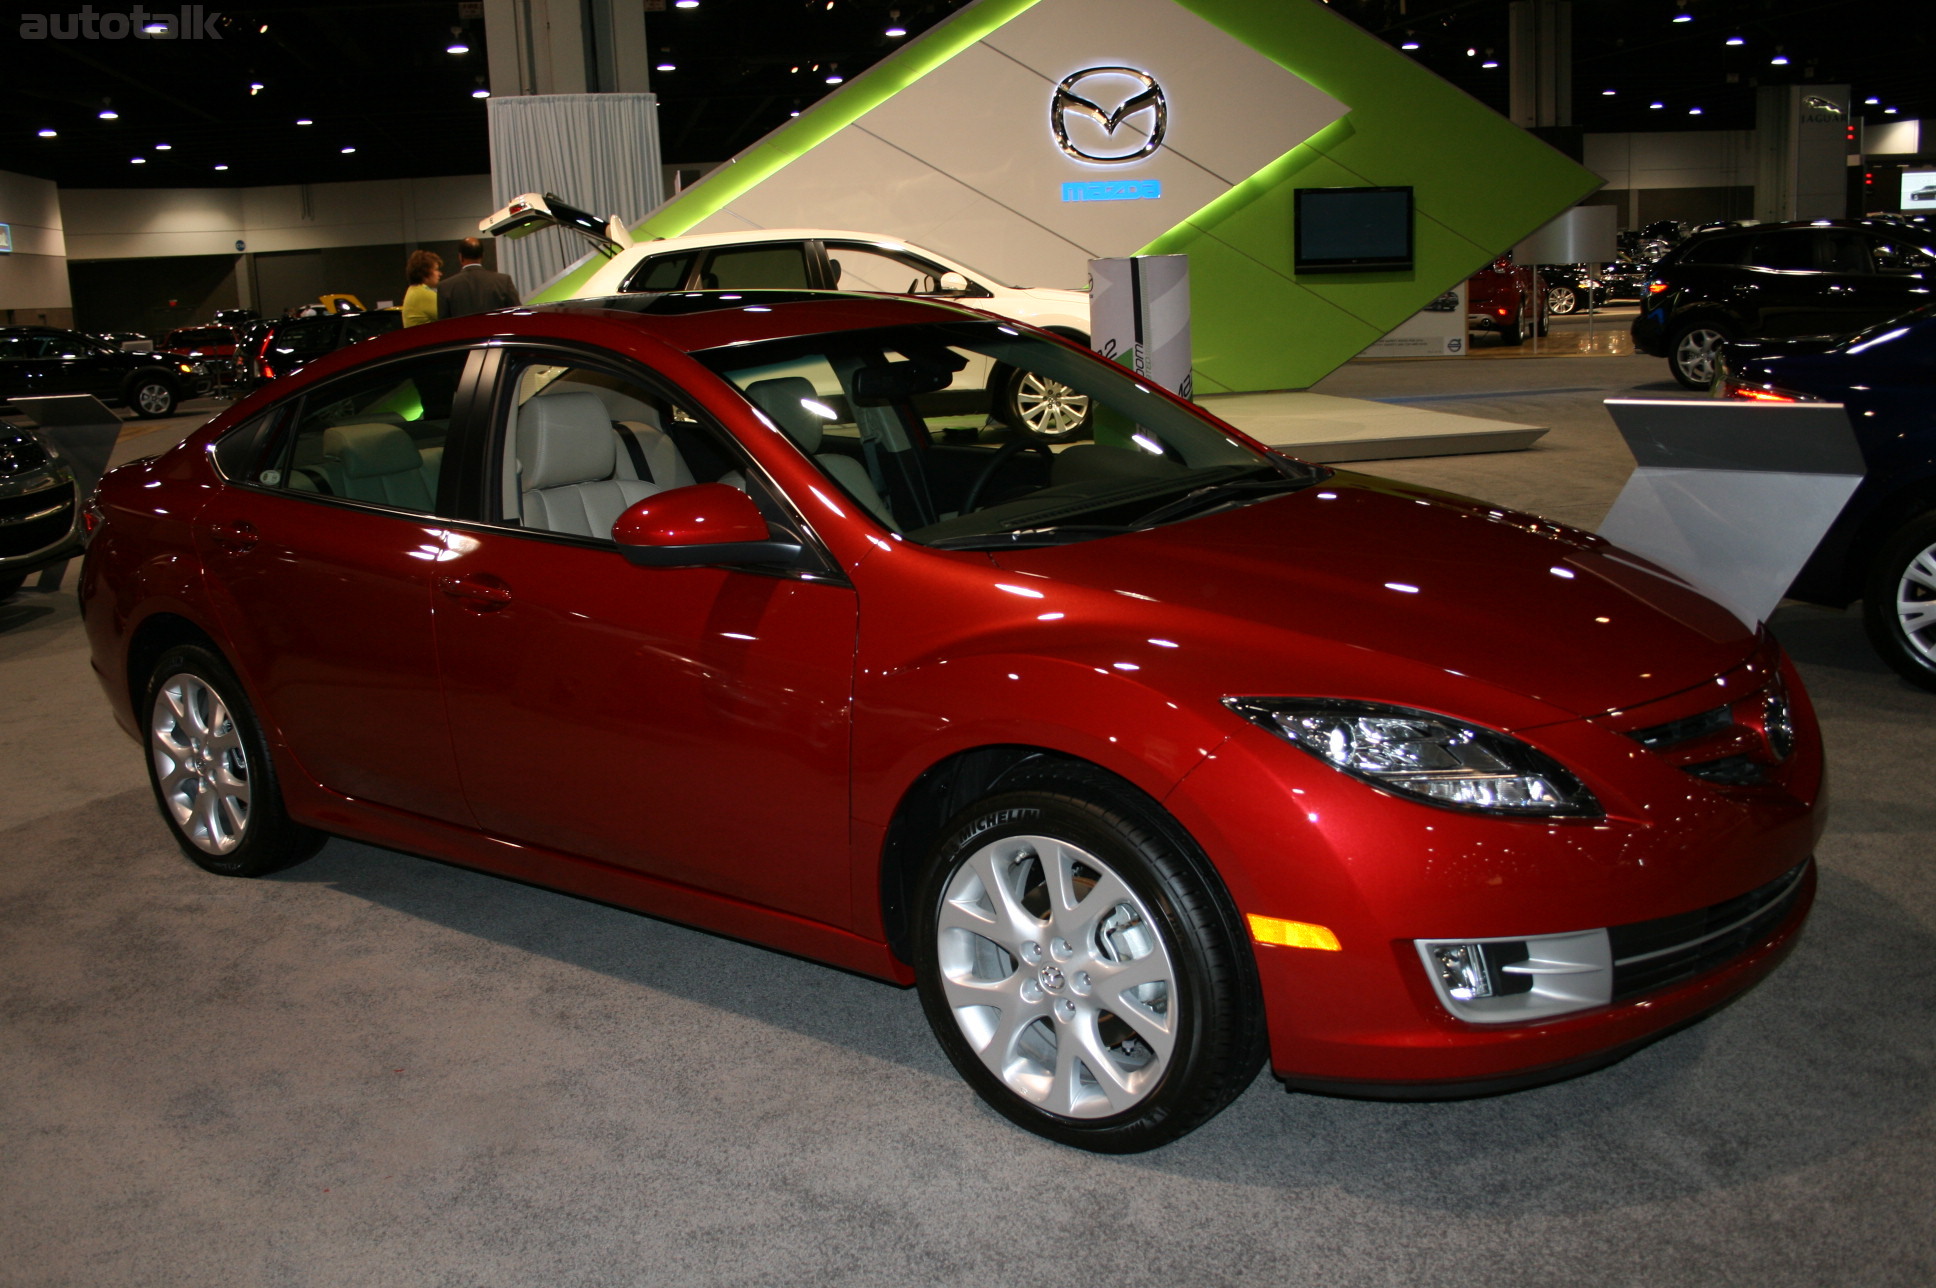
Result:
1514,333
1560,300
210,769
1046,410
1899,601
1692,350
151,396
1199,995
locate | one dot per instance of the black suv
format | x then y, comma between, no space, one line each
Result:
272,349
40,360
1778,281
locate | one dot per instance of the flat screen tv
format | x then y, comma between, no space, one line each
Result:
1353,230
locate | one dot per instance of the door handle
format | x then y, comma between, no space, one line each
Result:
478,591
239,537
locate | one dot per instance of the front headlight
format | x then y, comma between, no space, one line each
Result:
1426,757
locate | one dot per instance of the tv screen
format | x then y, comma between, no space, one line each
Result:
1353,230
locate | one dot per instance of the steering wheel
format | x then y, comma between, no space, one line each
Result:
1018,443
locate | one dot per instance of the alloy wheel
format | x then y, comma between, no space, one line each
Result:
1916,605
1560,300
1055,971
201,768
1049,409
153,398
1694,355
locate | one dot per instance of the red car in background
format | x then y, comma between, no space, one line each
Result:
1145,759
1507,298
209,352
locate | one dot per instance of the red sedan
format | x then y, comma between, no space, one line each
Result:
1144,759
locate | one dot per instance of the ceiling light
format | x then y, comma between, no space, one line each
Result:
154,28
457,47
50,134
685,4
793,114
1872,102
1489,64
263,30
1736,40
1410,44
835,80
303,120
1779,60
224,167
255,87
347,151
1471,53
1683,17
667,67
895,33
109,114
1888,111
1693,111
1656,106
137,160
164,147
480,92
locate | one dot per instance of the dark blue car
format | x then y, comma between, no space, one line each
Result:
1882,549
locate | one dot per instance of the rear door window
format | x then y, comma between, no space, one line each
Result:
1790,251
660,273
779,266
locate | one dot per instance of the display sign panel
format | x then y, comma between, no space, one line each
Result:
1918,190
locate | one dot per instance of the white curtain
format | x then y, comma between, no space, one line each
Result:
599,152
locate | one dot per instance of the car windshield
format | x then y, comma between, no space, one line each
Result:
918,425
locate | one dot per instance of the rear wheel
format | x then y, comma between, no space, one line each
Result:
1692,353
1899,602
1561,301
1514,332
209,765
151,396
1082,971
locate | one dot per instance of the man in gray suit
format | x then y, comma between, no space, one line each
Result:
474,288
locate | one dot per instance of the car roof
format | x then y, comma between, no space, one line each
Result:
695,240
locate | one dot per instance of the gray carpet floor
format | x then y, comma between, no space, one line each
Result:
377,1069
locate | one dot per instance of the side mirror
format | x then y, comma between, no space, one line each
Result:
692,527
951,284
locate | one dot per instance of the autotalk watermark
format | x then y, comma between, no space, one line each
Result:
190,22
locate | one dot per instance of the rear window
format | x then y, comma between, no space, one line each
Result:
1713,250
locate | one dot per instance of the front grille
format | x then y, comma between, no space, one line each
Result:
1674,732
21,453
1649,955
32,523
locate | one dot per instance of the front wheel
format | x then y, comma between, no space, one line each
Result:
1899,602
1046,410
1693,351
209,766
1561,301
1081,971
151,396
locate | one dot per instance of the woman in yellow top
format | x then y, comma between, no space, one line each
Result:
420,297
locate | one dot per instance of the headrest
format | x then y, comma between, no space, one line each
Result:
370,451
789,401
564,438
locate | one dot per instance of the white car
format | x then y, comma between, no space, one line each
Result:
822,259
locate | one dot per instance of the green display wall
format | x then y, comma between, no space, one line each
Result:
1480,184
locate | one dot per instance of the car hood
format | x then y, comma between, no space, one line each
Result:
1358,587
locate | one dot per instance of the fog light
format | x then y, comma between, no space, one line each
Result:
1462,969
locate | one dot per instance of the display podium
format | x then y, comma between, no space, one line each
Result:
1733,496
1139,315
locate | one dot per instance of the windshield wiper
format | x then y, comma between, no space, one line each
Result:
1060,534
1213,496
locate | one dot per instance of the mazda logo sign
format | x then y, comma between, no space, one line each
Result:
1145,95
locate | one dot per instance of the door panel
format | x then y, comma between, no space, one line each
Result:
692,724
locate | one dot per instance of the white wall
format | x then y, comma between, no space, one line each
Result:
1696,159
130,223
1892,138
34,276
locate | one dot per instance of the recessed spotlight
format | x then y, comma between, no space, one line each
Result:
1607,93
480,92
154,28
1471,53
1779,60
835,80
1410,44
1489,64
895,33
1656,106
666,67
221,167
347,151
1872,102
793,114
303,120
457,47
1683,17
51,134
137,160
1693,111
263,30
109,114
255,87
1736,40
1888,111
164,147
685,4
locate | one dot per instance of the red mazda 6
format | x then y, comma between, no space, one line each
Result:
1144,759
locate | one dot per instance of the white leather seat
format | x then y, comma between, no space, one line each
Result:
787,402
381,463
568,466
